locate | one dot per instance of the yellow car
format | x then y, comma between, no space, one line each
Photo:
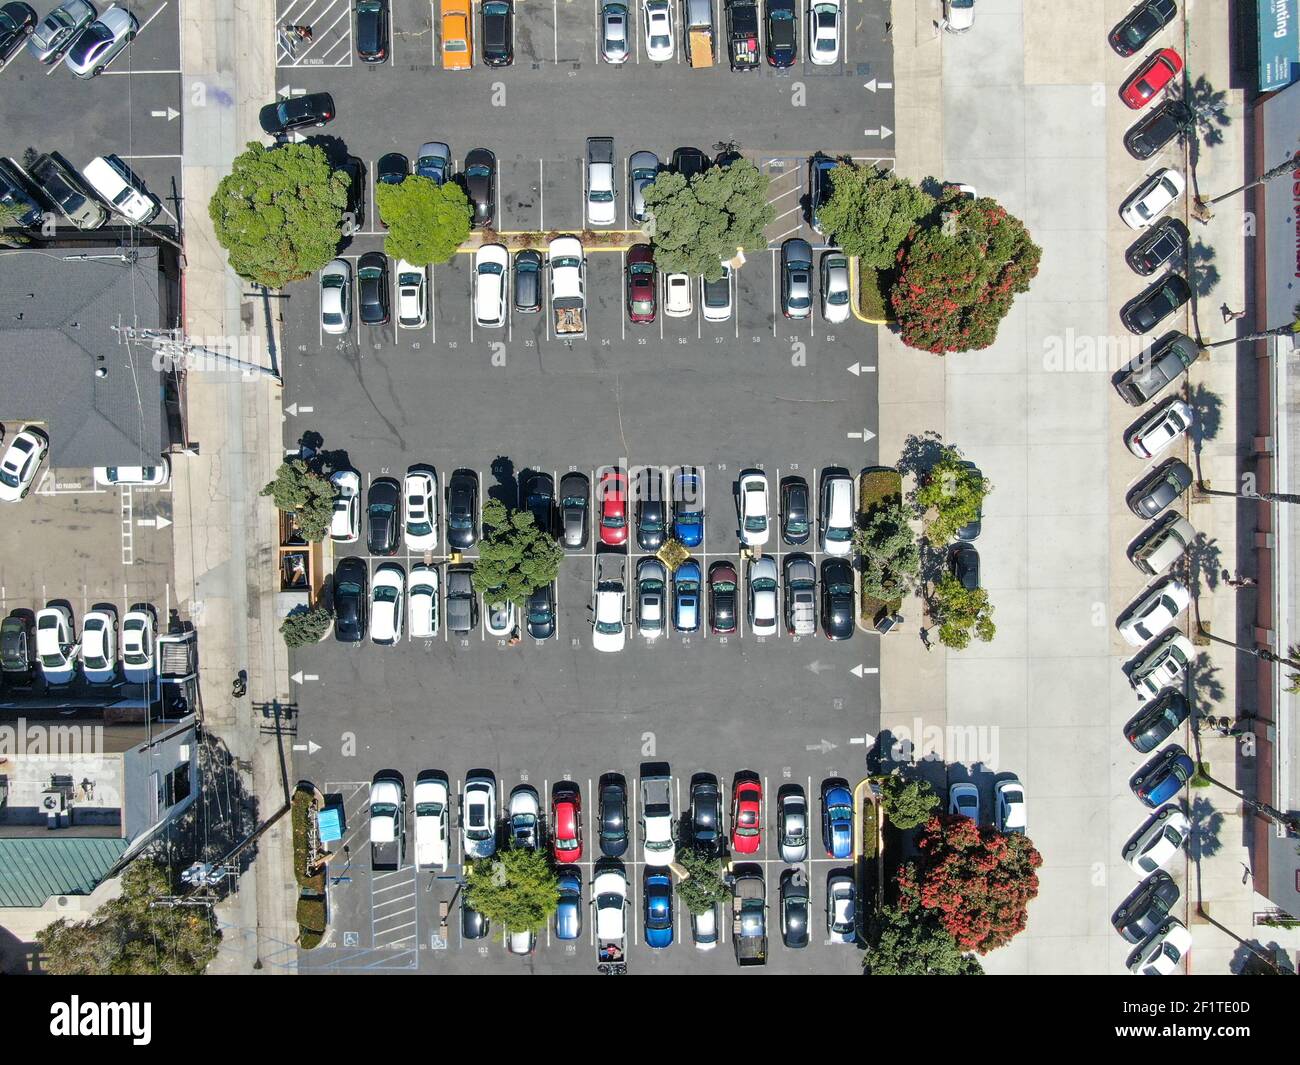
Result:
457,35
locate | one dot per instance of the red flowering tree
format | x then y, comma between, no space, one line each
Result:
975,881
957,280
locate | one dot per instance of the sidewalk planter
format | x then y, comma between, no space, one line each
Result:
869,293
309,866
876,485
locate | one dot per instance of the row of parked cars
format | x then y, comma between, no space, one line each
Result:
86,41
1159,670
47,641
50,187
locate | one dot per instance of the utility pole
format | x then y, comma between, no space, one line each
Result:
1202,209
173,346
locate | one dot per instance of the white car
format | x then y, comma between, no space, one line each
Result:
135,476
422,601
114,184
521,942
1162,664
835,287
478,829
608,631
138,646
677,295
345,522
1152,198
431,798
613,33
491,273
1163,952
387,811
500,616
101,42
762,596
964,801
959,15
658,30
412,296
754,531
1009,807
1160,428
386,593
21,462
841,909
56,644
651,598
824,32
602,202
421,492
609,890
715,297
99,646
1154,612
336,297
1157,841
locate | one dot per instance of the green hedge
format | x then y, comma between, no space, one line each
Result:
873,293
311,914
877,485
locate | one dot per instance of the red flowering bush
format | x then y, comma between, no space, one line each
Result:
975,881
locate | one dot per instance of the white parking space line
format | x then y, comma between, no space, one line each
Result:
145,24
555,28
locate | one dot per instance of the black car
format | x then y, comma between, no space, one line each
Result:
539,612
782,33
1141,24
297,112
351,600
1159,488
837,599
706,812
498,33
392,169
481,186
372,30
473,925
1148,309
964,564
651,511
575,493
796,526
1157,721
16,193
794,909
612,819
373,288
383,516
462,510
355,209
528,281
17,21
18,645
689,161
539,498
1156,129
1143,913
1165,242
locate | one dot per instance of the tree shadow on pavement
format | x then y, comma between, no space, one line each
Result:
1205,824
1202,274
1203,680
1203,567
920,452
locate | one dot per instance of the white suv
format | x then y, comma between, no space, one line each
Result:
112,182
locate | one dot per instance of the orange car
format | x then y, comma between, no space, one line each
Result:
457,35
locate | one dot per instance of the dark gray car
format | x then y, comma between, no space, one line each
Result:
462,603
1159,488
1144,912
1150,374
528,281
462,510
481,186
575,497
706,812
794,909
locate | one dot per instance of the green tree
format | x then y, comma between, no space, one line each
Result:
951,494
515,558
516,888
11,229
304,627
426,221
701,222
891,558
305,494
279,213
961,613
871,211
130,936
704,887
907,802
912,943
958,279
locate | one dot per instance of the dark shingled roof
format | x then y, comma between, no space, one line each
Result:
57,313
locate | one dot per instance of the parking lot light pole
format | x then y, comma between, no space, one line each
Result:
1202,209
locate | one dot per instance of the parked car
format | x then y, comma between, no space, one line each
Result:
1161,837
473,925
1143,913
568,910
392,169
599,181
824,32
689,161
964,564
1154,130
538,492
1141,24
575,491
1157,721
796,278
1147,310
677,296
134,476
658,890
760,579
835,287
686,596
1163,776
723,584
642,167
705,814
420,490
796,517
491,285
386,608
383,516
21,462
747,815
837,819
704,928
139,646
793,894
752,492
56,644
17,193
481,187
614,35
18,646
58,30
499,33
613,815
114,183
539,612
432,799
609,633
651,510
372,30
345,520
528,281
964,801
970,532
715,296
841,909
373,288
351,600
612,492
959,15
688,506
1163,544
1154,612
837,599
422,601
412,296
792,824
99,646
1163,663
642,284
1162,953
651,598
462,510
67,191
1009,813
354,210
289,114
336,297
1159,69
566,822
659,46
1159,488
462,600
1160,428
101,42
524,812
478,815
1165,242
800,595
1149,375
782,34
500,614
837,513
1154,196
434,161
820,186
457,35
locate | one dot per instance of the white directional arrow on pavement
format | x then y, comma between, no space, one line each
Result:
311,746
873,84
861,670
818,667
882,132
169,114
300,676
857,368
864,436
295,410
153,523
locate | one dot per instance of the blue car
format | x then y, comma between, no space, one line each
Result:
686,596
1163,777
688,507
568,914
434,162
837,819
658,910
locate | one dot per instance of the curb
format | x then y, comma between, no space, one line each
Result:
853,296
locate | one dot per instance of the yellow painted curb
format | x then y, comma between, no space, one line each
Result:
853,296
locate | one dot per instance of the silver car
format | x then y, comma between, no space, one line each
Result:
792,825
58,30
796,278
613,33
642,169
101,42
651,598
835,287
336,297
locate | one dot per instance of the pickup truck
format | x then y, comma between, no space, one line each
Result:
1150,374
568,286
749,917
602,205
387,824
657,819
742,34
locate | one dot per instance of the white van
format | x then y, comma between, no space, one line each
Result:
112,182
837,514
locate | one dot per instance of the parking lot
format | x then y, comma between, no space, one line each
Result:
132,110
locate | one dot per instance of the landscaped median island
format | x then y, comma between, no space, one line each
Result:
889,557
309,866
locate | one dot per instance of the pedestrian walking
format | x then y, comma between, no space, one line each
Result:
1235,581
1231,315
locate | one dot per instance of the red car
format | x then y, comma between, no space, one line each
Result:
613,508
642,279
566,822
1157,72
746,816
